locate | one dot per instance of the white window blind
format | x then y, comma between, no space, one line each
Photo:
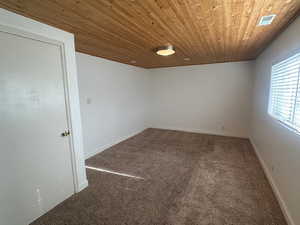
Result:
284,102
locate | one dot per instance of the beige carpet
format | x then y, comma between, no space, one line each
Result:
163,177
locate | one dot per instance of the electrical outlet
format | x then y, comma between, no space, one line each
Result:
272,168
88,101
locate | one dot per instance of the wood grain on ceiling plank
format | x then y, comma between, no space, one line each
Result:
206,31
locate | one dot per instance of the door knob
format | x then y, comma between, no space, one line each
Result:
66,133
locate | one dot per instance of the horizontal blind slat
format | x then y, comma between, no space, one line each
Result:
287,64
290,59
283,78
285,69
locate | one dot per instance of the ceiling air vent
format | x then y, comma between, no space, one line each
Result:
266,20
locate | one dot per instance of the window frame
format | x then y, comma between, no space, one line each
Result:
280,122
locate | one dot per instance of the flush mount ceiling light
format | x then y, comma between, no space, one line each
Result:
165,50
266,20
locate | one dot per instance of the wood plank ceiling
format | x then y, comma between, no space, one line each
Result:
127,31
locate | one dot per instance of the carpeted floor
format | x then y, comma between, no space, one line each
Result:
172,178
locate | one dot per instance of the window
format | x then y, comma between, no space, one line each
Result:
284,102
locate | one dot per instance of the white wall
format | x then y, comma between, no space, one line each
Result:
278,146
213,98
114,101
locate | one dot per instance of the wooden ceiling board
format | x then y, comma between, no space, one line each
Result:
205,31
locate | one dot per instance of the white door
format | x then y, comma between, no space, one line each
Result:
35,161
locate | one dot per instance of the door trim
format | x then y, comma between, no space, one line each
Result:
28,28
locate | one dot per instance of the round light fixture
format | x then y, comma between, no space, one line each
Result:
165,50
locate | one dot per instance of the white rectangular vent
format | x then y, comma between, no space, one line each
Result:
266,20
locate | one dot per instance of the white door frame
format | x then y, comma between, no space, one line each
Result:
22,26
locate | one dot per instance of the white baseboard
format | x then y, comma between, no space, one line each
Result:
202,131
103,147
276,191
82,186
